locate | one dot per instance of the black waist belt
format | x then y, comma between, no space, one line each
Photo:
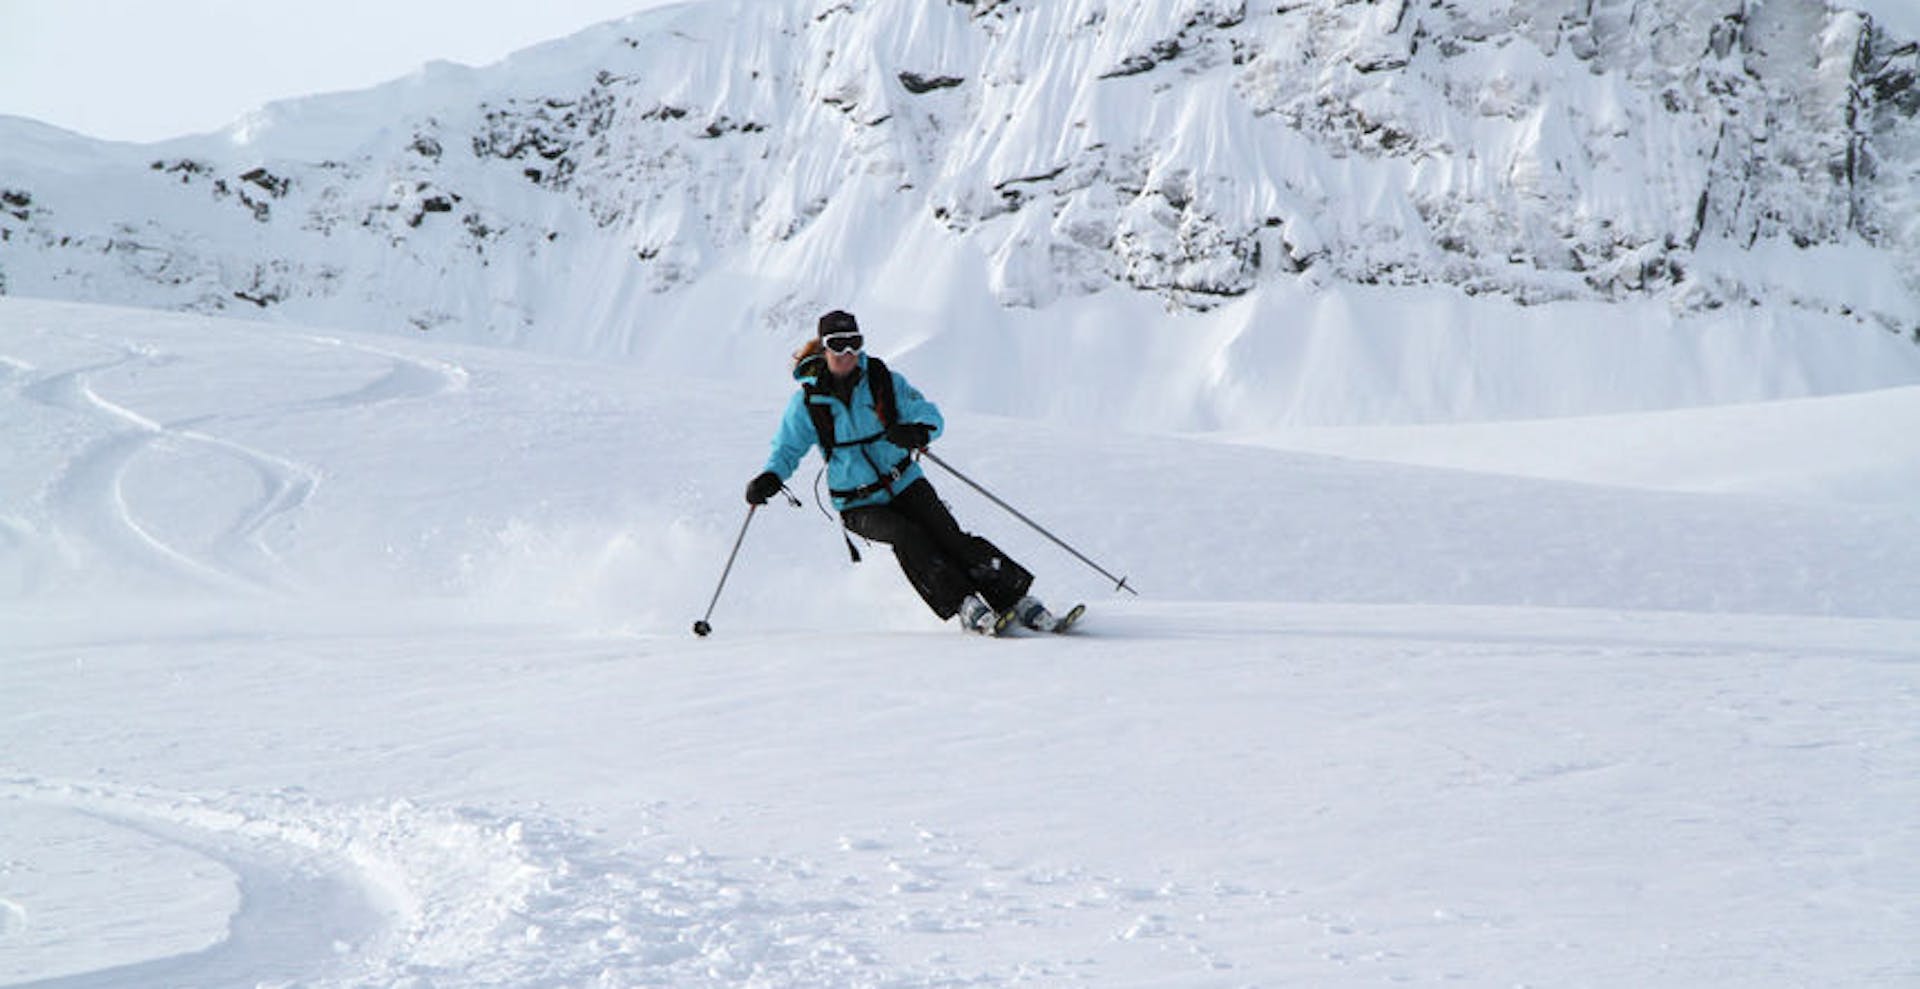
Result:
886,481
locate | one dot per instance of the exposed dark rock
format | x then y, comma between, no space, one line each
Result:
916,83
1133,65
274,184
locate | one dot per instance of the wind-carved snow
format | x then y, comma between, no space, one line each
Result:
942,166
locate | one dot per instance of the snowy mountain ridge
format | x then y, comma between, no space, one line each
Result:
1707,164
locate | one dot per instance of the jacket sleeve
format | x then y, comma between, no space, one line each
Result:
915,407
796,434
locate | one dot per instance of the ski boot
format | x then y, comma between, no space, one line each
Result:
1035,615
978,617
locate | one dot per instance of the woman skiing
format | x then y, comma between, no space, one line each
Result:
868,420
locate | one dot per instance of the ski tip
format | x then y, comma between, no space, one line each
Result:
1068,620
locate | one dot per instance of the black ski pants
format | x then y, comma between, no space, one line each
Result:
944,563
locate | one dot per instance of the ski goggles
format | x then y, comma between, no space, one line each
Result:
843,343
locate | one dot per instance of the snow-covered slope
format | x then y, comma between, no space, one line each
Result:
1229,209
339,660
422,472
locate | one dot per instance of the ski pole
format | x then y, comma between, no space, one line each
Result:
1119,583
701,628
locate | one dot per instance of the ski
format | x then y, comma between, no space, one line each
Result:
1005,622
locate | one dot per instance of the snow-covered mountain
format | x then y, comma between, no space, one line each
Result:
1285,195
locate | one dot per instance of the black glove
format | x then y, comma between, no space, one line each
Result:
764,486
910,435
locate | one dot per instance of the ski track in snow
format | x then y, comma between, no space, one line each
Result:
90,496
90,501
400,894
299,911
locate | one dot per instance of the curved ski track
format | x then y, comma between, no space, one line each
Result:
87,501
401,894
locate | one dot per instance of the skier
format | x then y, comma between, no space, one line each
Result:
867,421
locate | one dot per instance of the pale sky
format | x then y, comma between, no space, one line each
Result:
144,70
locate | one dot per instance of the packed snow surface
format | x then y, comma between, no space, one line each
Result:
354,660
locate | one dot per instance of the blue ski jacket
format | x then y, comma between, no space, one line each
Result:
862,467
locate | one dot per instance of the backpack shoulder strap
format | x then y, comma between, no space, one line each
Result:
822,415
880,382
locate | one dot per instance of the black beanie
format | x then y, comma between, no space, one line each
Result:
838,321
